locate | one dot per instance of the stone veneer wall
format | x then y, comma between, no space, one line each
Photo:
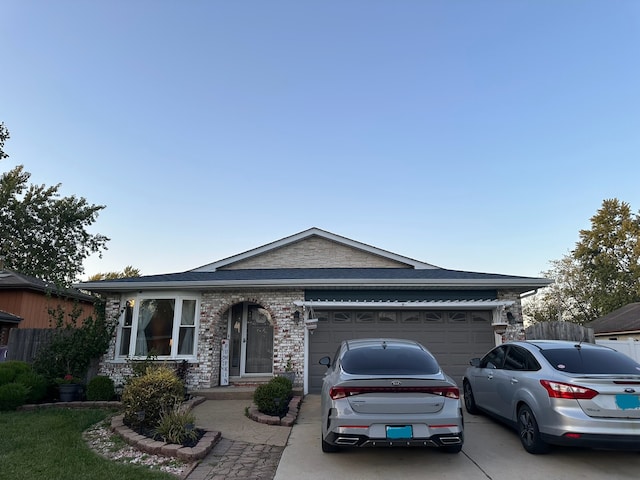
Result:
516,309
205,372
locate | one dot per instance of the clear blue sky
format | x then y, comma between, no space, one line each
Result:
473,135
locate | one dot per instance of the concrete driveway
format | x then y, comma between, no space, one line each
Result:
491,451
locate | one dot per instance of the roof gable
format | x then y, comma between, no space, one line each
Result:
314,248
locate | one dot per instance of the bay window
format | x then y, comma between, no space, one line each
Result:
162,326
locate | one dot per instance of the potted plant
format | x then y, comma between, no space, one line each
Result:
69,388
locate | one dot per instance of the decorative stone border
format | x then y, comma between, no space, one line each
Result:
287,421
156,447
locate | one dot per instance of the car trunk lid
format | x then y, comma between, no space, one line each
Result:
396,396
618,396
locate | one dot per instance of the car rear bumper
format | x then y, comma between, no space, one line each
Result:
354,440
589,440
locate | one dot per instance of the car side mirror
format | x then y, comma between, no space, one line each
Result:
326,361
475,362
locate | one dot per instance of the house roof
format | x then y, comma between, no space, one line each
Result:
397,271
322,277
10,280
7,317
313,232
624,319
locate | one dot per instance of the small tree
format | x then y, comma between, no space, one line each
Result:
74,345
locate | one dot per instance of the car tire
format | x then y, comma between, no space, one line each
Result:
329,447
469,399
529,433
451,448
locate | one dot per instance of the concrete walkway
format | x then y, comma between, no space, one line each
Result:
248,450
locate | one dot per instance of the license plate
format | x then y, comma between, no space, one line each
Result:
397,432
628,402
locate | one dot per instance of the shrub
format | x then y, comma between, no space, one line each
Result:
284,381
158,389
36,384
11,369
273,398
100,388
12,395
176,425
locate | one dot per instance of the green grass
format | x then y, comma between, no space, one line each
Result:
47,444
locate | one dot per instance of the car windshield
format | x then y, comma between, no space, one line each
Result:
591,360
389,361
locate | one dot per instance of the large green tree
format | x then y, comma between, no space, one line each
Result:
600,275
42,233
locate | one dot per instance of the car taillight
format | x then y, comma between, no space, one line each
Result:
566,390
337,393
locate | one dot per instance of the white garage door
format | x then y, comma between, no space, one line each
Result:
454,337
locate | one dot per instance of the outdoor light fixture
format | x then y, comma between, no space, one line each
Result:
510,318
296,317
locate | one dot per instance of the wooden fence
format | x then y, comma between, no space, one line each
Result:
560,331
24,343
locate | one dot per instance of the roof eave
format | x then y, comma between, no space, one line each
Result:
524,284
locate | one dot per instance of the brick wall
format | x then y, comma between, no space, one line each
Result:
205,372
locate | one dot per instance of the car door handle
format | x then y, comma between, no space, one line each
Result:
514,381
490,376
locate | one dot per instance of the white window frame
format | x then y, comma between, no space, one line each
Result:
179,298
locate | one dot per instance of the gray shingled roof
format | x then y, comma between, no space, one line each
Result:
624,319
327,277
10,280
9,317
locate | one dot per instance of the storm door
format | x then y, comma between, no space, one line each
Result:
251,340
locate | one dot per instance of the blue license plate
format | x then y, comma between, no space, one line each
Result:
628,402
399,432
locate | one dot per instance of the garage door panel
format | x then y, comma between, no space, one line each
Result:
453,342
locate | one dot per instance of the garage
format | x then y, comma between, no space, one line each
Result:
453,336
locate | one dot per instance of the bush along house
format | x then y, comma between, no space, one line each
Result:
282,306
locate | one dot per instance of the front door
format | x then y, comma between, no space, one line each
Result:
251,340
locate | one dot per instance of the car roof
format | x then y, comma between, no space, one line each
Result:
558,344
373,342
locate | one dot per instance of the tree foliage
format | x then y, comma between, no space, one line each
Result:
43,234
4,136
128,272
600,275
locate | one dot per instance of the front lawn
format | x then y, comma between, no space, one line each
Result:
47,444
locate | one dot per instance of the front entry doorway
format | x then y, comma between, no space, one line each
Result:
250,340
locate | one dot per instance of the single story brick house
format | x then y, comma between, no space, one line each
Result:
284,305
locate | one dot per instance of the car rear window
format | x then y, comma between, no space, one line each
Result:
389,361
588,360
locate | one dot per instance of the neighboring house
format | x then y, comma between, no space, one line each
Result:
25,302
292,301
621,324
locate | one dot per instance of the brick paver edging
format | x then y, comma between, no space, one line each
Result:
156,447
287,421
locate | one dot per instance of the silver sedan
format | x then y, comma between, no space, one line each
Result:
388,392
559,392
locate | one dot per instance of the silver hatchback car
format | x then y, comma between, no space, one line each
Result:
559,392
388,392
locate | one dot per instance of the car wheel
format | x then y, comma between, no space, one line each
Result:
469,400
529,432
451,448
328,447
